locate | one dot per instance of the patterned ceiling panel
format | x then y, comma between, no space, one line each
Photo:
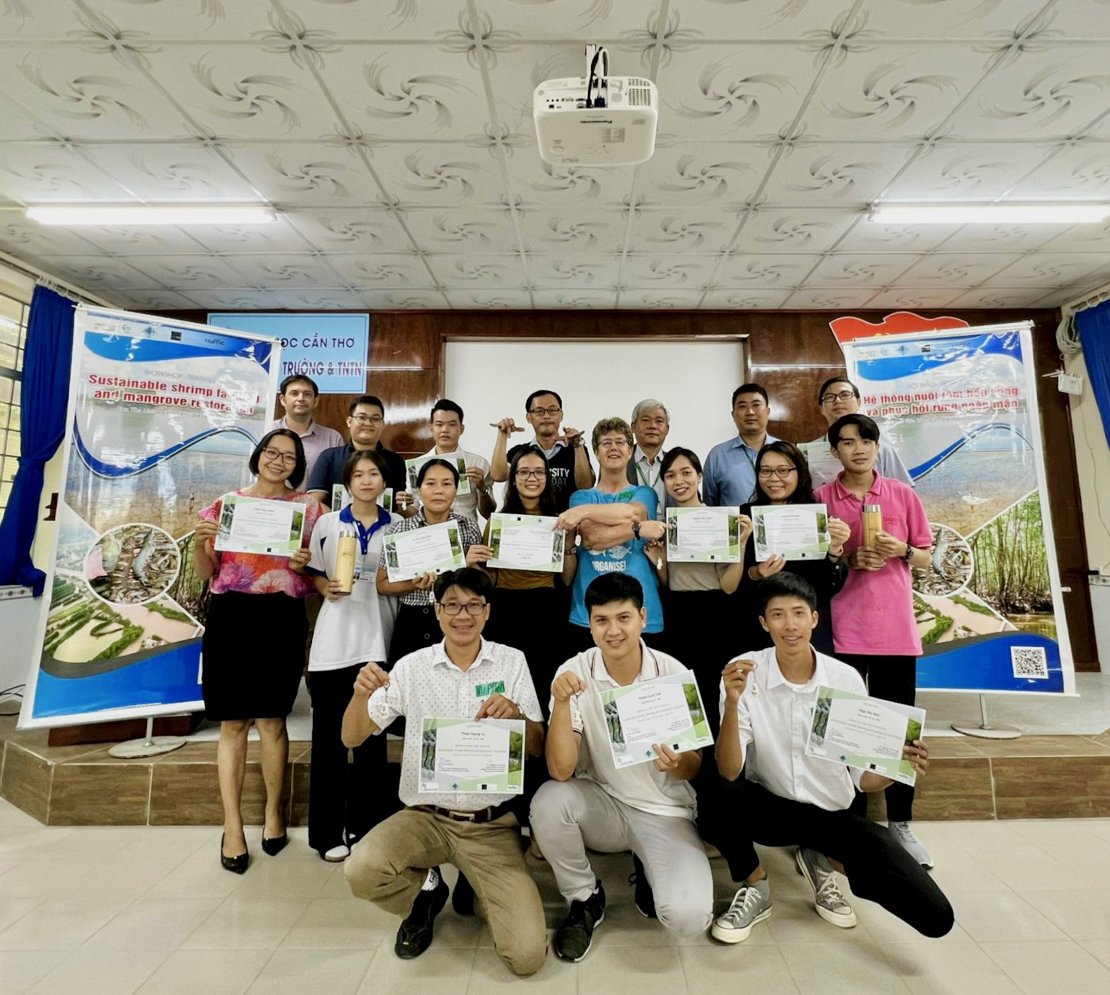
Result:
395,139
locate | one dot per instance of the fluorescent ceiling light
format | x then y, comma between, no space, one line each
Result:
110,215
985,214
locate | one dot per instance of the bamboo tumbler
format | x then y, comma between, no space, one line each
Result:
345,562
871,524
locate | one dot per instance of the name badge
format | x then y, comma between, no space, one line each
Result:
493,687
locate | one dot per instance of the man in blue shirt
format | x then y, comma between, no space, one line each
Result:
729,473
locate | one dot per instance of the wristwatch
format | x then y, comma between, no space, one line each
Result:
908,555
635,530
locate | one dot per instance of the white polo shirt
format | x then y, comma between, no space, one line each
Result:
775,718
640,787
426,684
467,504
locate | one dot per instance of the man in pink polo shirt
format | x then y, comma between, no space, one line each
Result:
874,627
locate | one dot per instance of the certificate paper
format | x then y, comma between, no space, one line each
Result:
666,710
696,535
865,733
259,525
341,497
824,467
526,542
463,756
792,531
433,548
458,459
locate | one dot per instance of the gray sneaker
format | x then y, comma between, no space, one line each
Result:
912,845
827,898
750,904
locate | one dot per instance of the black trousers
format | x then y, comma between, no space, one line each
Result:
892,678
346,798
734,815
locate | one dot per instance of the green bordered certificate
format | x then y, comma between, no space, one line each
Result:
865,733
701,535
792,531
463,756
824,467
526,542
259,525
431,549
412,468
341,497
666,710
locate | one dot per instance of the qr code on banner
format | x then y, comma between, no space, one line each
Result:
1029,662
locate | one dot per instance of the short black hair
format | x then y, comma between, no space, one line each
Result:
366,399
436,461
828,383
540,393
750,388
297,475
298,378
445,405
803,489
468,578
608,588
370,455
865,426
673,454
784,584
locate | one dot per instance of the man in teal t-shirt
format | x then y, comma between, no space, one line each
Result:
615,523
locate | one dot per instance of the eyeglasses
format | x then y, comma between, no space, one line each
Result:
777,471
540,412
523,474
844,395
613,444
471,607
368,419
273,455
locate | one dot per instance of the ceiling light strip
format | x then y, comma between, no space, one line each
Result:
105,215
972,214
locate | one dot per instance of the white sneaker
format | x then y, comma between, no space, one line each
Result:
750,904
337,854
912,845
830,903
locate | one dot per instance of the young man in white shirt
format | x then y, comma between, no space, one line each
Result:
647,808
779,796
447,428
395,865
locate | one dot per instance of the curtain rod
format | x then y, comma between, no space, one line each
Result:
52,282
1094,298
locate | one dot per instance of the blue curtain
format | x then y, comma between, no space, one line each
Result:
45,395
1094,335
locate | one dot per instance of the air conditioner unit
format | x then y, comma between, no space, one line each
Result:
596,120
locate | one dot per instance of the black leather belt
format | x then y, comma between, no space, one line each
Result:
461,815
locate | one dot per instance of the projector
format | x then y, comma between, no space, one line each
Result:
596,120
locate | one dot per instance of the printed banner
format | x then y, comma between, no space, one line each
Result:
960,406
163,416
332,349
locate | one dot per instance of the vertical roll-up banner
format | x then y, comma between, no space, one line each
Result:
959,404
163,416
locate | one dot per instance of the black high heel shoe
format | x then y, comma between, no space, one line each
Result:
275,844
237,864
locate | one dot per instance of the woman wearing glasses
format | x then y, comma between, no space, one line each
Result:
254,642
700,629
527,612
782,477
346,800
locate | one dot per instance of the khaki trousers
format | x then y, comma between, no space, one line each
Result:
388,866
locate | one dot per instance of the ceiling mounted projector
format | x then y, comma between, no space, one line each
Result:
596,120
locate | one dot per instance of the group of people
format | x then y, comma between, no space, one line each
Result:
481,642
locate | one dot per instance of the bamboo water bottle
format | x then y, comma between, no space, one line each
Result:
345,561
871,524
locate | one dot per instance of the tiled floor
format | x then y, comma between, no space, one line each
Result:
118,910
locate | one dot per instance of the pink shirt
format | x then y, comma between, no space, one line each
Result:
873,613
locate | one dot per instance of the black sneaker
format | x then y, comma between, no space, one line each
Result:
415,933
576,934
462,896
643,895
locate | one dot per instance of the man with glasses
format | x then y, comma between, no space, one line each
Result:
650,424
837,397
365,422
395,865
298,396
614,521
729,473
564,451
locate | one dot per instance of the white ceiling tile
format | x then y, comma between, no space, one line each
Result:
238,299
509,298
811,175
1083,238
1000,297
529,19
947,19
404,300
771,229
441,175
349,229
44,173
575,299
963,171
286,270
659,300
1050,269
306,174
584,229
538,183
472,271
1000,238
692,229
745,300
171,172
699,175
315,300
456,230
955,271
867,236
233,239
381,270
846,269
371,19
572,271
99,271
177,20
1078,172
154,300
22,237
186,272
681,271
902,299
830,298
765,270
140,241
